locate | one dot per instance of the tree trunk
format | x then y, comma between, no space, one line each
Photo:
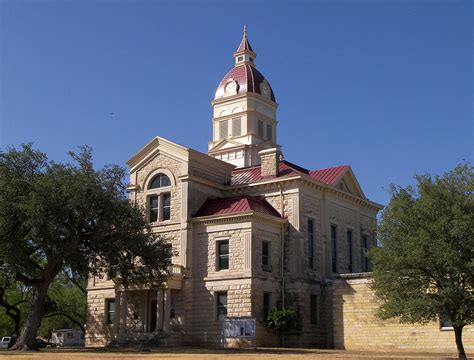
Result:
460,346
27,338
17,324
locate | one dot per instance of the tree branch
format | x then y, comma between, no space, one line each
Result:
61,313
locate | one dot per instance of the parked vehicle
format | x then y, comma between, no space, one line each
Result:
68,337
5,342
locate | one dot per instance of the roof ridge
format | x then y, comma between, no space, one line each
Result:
331,167
298,168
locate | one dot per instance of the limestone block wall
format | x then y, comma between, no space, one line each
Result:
98,333
206,238
357,328
172,237
206,329
311,210
271,235
265,337
346,218
177,307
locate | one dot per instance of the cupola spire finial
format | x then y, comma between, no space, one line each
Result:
244,53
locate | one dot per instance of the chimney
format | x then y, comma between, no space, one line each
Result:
270,160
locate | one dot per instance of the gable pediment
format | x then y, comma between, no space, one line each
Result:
226,144
348,183
157,146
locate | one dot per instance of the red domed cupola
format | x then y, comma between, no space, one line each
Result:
244,77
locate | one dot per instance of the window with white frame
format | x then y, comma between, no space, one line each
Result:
159,198
110,311
445,324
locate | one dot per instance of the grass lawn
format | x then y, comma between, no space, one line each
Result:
206,353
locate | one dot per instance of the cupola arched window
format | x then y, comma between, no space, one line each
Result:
159,198
159,181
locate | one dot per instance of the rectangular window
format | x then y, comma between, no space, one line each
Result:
112,271
223,129
110,308
223,255
334,248
310,244
260,129
446,324
314,309
266,256
349,249
365,259
168,249
166,206
236,127
221,305
266,305
153,208
269,132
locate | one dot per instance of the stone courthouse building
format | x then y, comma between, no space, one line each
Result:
248,231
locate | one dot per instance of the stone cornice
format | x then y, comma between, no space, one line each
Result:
202,181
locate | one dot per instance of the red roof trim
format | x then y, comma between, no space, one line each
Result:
235,205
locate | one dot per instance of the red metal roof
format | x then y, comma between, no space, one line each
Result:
252,174
244,45
248,79
227,206
329,176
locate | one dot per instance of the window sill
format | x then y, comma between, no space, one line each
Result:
446,329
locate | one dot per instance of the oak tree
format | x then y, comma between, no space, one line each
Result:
69,217
423,269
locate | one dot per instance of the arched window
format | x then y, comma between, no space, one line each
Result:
159,198
160,180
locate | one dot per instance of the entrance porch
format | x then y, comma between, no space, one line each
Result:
149,313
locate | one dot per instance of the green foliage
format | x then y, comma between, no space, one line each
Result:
70,218
280,320
424,267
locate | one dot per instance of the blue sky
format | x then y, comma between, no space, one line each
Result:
385,86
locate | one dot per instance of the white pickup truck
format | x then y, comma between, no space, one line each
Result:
5,342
